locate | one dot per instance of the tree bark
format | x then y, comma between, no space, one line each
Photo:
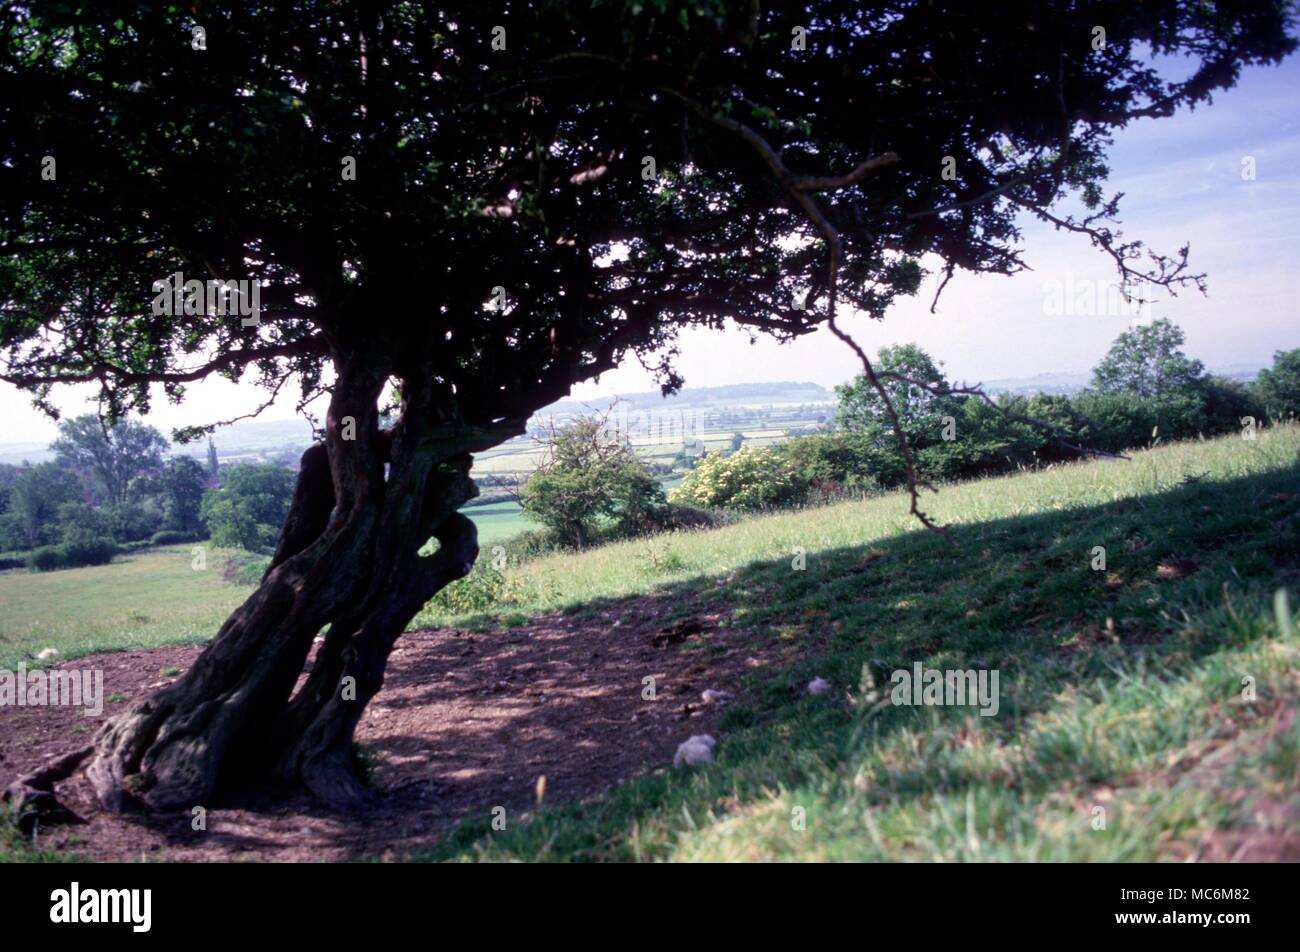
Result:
348,558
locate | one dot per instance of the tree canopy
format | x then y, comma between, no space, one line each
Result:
1147,361
382,170
1279,386
110,457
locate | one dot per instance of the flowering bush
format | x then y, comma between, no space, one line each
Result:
754,478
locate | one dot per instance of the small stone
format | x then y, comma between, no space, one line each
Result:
697,750
46,653
818,686
715,697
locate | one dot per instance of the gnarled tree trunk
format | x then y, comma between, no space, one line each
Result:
348,558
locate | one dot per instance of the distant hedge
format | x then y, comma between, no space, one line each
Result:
72,554
171,537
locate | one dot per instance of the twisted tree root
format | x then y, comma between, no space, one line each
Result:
32,797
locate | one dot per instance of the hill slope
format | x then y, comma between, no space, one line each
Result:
1146,710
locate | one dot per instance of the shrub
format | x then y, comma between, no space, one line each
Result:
478,591
69,555
675,516
45,558
89,551
132,522
78,520
1227,402
1115,422
172,537
839,464
589,479
750,479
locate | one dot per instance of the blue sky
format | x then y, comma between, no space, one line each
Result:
1182,179
1183,182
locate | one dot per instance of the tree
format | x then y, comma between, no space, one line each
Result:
35,498
587,477
1147,362
917,400
181,485
8,474
497,206
214,467
1278,387
248,510
110,456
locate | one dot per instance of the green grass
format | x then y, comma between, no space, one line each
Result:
498,521
143,599
1121,690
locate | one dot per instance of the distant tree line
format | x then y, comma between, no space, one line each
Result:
1144,391
111,488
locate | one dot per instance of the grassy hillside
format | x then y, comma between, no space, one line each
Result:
145,598
1121,690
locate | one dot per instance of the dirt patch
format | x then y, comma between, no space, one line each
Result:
465,722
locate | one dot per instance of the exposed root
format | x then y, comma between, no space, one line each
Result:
32,797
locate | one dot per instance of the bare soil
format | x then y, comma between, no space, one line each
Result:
466,722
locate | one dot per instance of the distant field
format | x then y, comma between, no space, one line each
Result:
498,521
146,598
520,457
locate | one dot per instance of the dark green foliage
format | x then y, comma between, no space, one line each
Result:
247,511
1278,388
84,551
478,167
133,521
172,537
35,499
844,461
1228,404
181,485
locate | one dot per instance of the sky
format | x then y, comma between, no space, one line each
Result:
1183,183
